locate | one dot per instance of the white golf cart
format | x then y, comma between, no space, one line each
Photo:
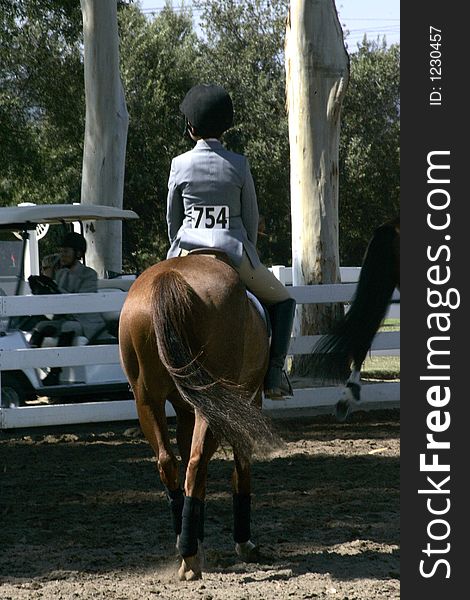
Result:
20,229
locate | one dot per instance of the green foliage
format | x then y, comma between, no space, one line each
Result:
369,148
158,65
239,45
41,101
242,49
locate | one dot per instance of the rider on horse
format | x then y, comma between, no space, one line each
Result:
212,204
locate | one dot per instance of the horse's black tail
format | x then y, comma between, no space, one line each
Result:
352,337
225,405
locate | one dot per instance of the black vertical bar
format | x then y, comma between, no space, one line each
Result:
435,235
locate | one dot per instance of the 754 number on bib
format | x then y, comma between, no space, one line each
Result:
210,217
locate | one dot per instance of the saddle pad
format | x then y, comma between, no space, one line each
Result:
261,310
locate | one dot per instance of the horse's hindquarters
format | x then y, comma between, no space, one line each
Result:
189,333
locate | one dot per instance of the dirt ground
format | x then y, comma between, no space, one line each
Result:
84,516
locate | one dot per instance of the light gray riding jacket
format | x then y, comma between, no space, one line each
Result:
209,175
81,279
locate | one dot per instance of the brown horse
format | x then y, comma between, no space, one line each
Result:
352,336
189,334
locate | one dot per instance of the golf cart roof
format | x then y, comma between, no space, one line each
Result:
27,217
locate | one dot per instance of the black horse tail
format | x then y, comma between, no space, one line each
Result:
352,336
225,405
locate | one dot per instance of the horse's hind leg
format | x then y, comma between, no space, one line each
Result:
352,394
184,434
153,422
152,418
354,383
241,488
203,447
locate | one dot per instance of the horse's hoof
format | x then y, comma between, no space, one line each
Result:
351,397
190,569
248,552
342,410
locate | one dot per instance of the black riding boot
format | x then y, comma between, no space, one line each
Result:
276,382
37,336
53,377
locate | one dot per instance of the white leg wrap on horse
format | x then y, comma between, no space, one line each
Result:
351,396
355,377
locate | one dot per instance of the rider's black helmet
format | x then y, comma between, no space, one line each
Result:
209,109
75,241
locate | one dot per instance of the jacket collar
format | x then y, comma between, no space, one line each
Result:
208,144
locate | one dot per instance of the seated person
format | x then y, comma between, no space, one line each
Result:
73,277
49,265
40,284
44,283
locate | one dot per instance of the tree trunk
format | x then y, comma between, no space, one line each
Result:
105,132
317,74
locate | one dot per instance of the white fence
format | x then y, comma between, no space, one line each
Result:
29,416
348,275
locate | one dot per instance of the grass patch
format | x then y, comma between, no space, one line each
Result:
390,325
383,367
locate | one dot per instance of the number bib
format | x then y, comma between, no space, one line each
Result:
210,217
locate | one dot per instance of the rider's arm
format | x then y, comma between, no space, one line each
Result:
175,209
89,281
85,281
250,214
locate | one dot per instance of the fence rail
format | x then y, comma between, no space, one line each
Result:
31,358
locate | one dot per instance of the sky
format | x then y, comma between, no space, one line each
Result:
373,17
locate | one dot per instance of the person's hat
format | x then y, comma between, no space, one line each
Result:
75,241
208,108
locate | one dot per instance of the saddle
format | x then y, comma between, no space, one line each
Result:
262,310
218,254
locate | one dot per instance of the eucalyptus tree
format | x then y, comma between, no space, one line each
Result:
159,63
317,67
105,135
